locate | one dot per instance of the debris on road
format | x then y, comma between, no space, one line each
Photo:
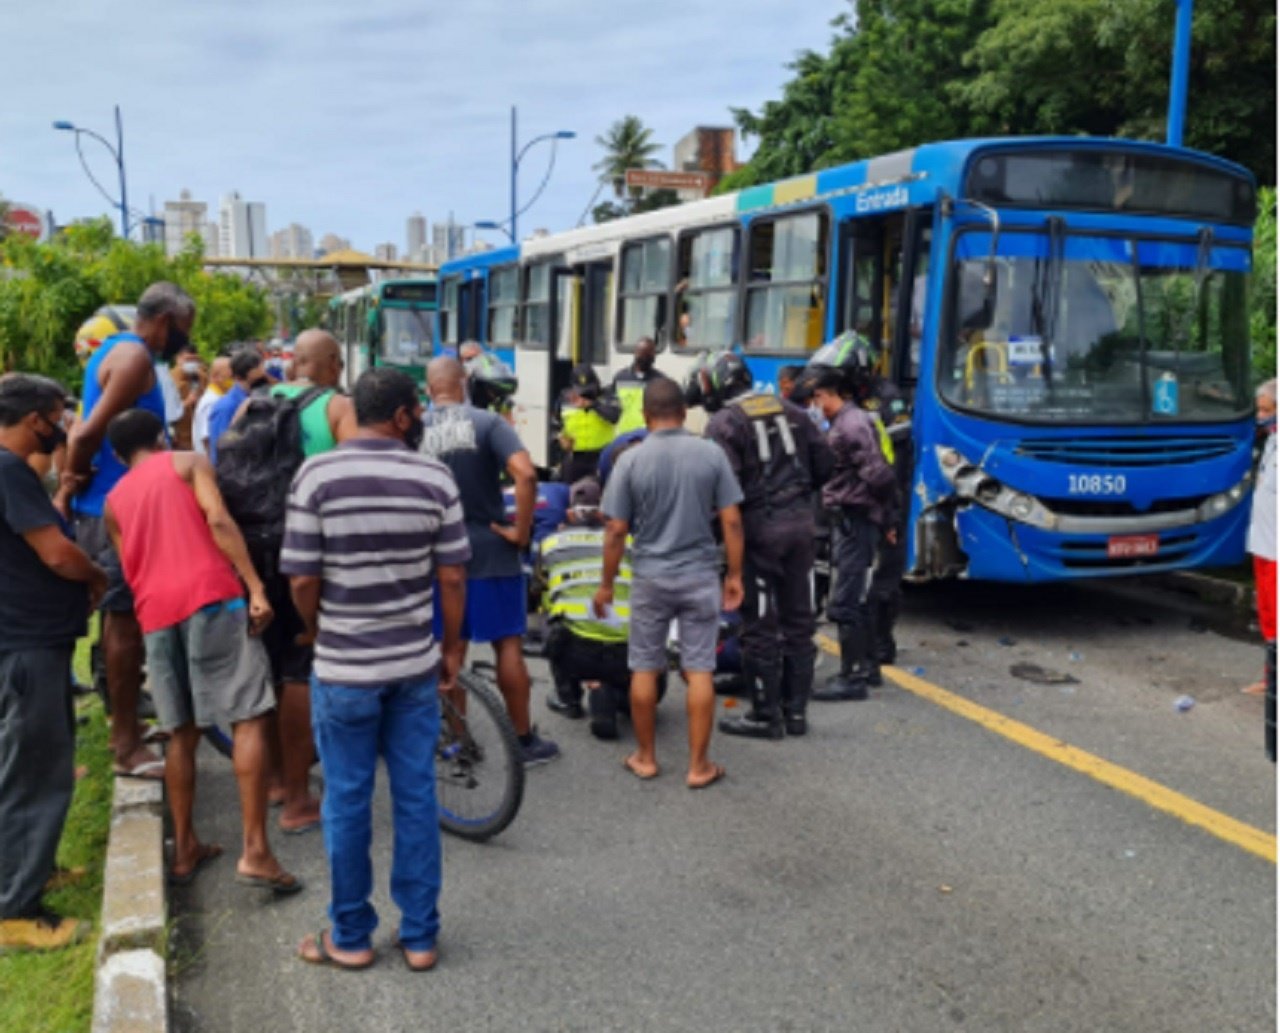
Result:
1183,703
1005,640
1042,675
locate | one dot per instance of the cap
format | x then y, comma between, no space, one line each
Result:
585,493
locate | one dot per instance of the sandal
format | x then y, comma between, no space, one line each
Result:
210,852
319,954
151,770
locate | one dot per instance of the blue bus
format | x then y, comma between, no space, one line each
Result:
480,300
1066,318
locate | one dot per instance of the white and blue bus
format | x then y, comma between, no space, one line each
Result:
1065,316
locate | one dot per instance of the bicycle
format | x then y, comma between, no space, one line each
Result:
479,765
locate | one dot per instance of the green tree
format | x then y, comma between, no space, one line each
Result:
1102,67
1262,287
47,290
628,144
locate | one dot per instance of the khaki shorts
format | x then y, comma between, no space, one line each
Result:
207,669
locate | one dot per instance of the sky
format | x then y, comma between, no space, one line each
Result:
347,117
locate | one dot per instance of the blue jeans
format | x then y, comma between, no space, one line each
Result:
352,726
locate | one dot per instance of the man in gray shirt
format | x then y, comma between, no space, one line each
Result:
664,493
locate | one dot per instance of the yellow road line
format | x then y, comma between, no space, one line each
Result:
1162,798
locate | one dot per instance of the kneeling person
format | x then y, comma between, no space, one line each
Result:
181,553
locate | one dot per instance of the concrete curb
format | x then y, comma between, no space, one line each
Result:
130,989
1215,590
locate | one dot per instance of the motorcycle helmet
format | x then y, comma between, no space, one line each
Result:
490,382
715,378
106,322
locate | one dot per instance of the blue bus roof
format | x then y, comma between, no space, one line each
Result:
481,260
943,165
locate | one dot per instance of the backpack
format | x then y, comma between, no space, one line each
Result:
257,458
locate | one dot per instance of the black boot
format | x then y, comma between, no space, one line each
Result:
886,618
797,686
566,698
764,721
604,713
872,661
851,682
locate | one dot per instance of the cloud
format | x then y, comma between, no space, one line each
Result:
347,119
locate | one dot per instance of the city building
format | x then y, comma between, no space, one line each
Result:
182,218
447,241
331,242
293,241
708,149
151,230
212,239
415,235
243,228
385,252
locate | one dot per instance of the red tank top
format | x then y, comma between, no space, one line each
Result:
170,559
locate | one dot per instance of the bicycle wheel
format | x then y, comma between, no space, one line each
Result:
479,768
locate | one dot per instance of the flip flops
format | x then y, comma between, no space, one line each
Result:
321,955
282,884
626,763
716,776
211,852
152,770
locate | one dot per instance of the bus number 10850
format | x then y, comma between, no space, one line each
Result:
1096,484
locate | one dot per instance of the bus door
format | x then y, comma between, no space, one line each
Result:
595,314
884,271
470,311
566,289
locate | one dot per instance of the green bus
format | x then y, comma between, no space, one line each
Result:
389,323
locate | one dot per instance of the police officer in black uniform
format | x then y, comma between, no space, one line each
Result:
780,459
863,501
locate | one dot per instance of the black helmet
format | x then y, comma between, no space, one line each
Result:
584,380
716,377
845,364
490,381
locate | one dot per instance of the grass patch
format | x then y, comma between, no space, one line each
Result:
54,992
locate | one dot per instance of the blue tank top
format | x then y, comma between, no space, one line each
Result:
107,469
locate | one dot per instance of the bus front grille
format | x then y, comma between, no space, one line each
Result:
1126,451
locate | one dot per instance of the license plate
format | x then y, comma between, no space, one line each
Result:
1132,546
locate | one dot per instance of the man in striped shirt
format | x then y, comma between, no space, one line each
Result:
372,525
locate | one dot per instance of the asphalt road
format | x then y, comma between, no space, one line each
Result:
900,869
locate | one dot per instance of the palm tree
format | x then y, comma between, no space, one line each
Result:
628,145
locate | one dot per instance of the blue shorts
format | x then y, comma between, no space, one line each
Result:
495,609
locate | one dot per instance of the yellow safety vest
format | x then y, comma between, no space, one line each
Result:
631,395
587,429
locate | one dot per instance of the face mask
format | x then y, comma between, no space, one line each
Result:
48,443
175,344
644,363
1266,423
413,436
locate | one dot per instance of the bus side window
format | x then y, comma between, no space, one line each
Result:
786,289
706,294
504,301
642,293
535,317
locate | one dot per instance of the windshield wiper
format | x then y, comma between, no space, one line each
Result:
1204,251
1046,296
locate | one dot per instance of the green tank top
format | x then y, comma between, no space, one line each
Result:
317,437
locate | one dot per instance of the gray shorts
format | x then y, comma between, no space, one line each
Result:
693,602
92,537
208,670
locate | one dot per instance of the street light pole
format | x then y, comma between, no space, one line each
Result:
117,152
515,172
512,226
124,193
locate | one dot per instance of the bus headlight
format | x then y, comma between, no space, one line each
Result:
1225,501
974,484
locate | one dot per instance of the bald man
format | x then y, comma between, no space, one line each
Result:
220,381
478,446
326,420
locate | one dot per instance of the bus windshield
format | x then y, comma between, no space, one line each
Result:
1075,329
407,334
